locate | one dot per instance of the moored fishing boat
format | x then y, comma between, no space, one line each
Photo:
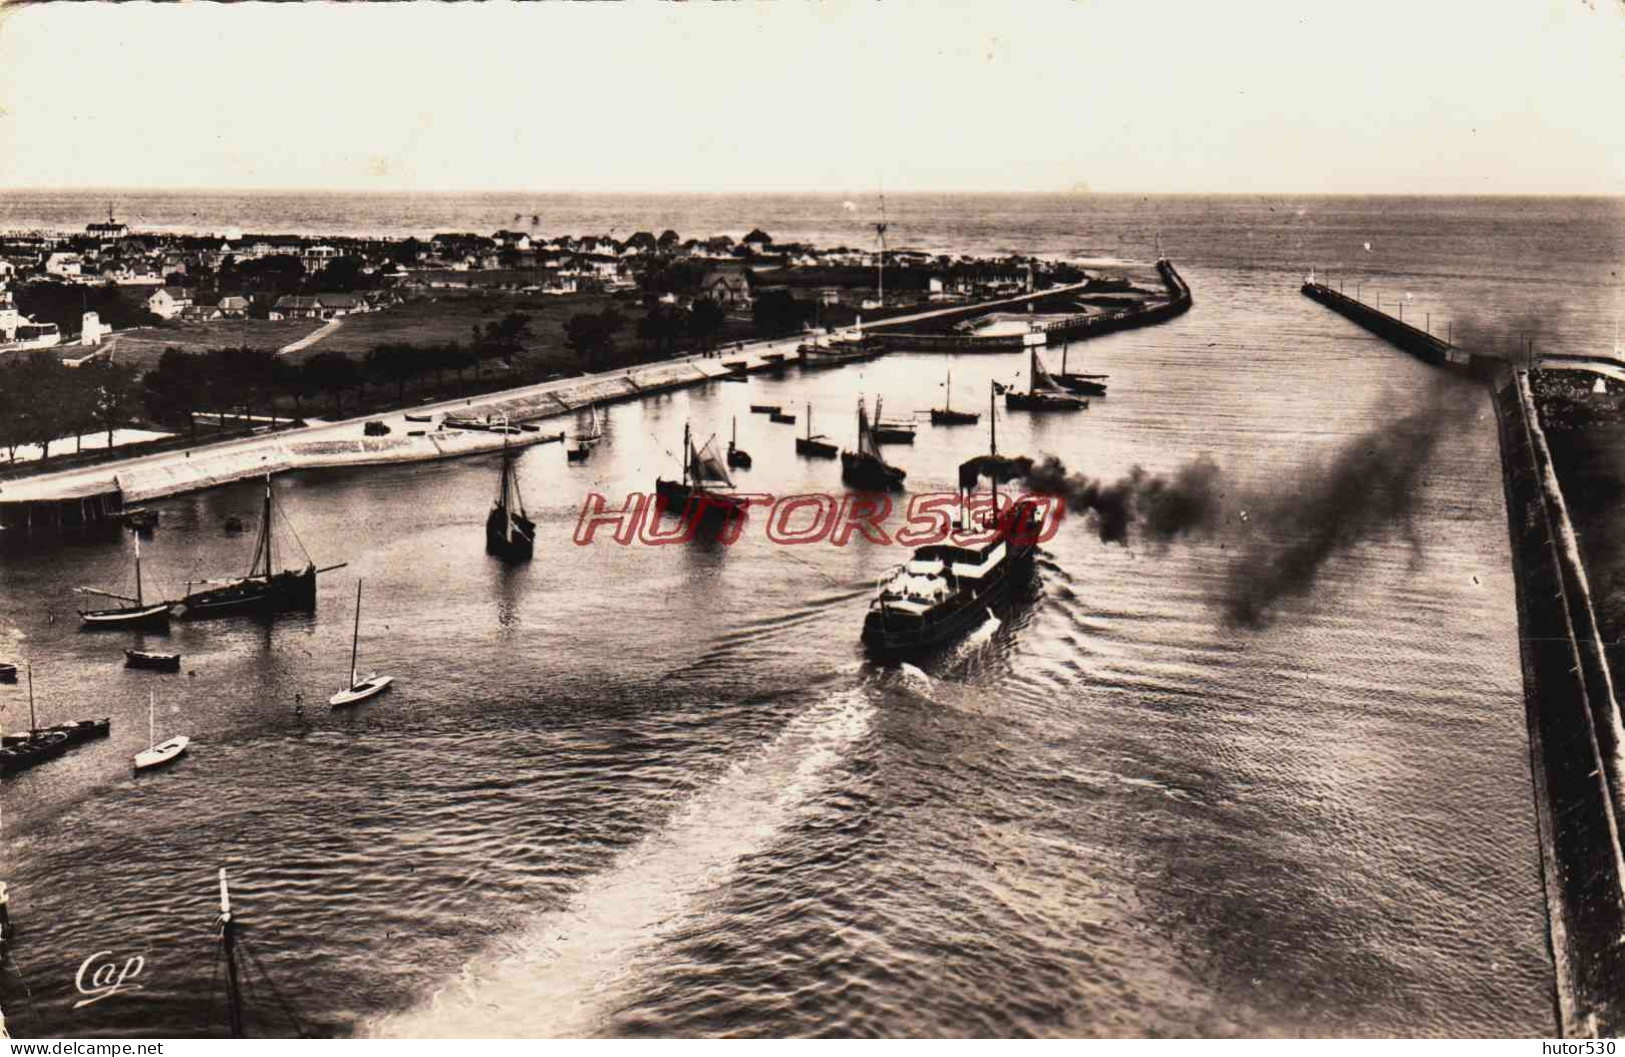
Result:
705,490
863,467
946,415
1044,394
813,444
509,533
264,590
738,458
23,749
948,588
1086,384
765,409
139,613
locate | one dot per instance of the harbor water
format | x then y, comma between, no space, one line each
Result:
657,790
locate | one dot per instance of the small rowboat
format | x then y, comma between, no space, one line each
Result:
8,672
782,419
420,418
161,662
765,409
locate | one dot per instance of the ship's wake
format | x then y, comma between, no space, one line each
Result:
556,977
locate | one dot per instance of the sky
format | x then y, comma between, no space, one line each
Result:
1261,96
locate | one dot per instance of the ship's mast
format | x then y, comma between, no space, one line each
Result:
688,454
355,641
228,948
880,267
138,600
993,446
33,724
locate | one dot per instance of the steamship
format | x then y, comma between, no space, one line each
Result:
948,588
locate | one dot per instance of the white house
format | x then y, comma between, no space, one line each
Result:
168,302
64,265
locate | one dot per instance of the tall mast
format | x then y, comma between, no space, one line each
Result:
688,454
809,420
993,420
152,721
948,396
993,447
355,643
33,724
138,601
1064,347
228,947
880,270
267,526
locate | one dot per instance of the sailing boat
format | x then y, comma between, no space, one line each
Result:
704,480
864,468
814,443
1044,395
1087,384
738,457
139,613
587,440
359,689
263,590
890,432
946,415
37,744
509,534
157,755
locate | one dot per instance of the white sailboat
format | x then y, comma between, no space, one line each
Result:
157,755
359,689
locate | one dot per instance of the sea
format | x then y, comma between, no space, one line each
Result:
658,790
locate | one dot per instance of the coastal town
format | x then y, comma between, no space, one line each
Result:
114,336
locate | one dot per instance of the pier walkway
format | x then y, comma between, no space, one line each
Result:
90,493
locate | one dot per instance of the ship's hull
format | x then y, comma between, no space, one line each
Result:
816,448
158,662
676,497
944,417
1082,386
1044,402
516,545
897,636
870,474
284,592
153,616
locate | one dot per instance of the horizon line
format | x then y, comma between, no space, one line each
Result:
1061,192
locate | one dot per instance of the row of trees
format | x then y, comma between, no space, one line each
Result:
591,335
43,401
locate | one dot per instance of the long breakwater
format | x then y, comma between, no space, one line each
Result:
1572,710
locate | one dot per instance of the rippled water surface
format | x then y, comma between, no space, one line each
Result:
652,790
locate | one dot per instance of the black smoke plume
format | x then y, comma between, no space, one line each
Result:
1159,508
1278,538
1367,488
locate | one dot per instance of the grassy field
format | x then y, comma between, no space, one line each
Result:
141,346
